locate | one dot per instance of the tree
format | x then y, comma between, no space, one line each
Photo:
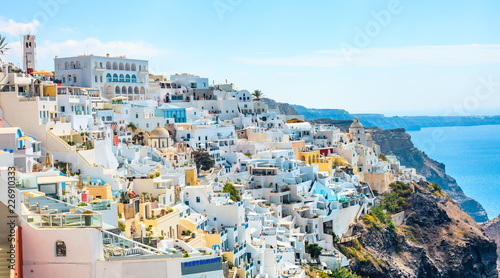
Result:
257,94
335,238
233,192
132,126
314,250
3,45
202,160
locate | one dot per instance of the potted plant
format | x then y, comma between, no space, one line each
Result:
88,217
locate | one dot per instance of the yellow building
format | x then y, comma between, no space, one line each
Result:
191,177
100,192
310,157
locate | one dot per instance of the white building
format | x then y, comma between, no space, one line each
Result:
113,76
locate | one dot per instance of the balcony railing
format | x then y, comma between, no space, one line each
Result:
64,220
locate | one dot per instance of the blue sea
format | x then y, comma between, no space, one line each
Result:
471,155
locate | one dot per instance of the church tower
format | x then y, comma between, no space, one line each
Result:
357,132
29,53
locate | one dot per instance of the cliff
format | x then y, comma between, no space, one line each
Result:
406,122
284,108
437,239
492,230
397,142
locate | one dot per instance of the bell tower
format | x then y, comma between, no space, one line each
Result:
29,53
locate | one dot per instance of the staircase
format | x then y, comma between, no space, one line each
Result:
4,264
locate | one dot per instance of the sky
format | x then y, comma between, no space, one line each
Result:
393,57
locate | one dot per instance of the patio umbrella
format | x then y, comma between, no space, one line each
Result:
79,184
48,160
24,137
42,72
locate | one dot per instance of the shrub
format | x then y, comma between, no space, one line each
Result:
412,233
121,226
157,174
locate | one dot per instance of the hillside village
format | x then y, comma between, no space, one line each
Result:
116,169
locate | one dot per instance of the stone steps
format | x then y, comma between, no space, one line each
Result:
4,264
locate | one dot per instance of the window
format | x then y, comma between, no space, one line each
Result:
96,78
101,78
115,77
85,64
137,115
74,78
122,78
127,78
108,77
147,125
62,108
60,248
134,79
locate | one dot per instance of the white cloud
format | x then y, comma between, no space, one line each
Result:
136,49
47,50
447,55
10,27
66,29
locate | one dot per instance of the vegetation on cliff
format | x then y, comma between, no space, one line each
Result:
436,239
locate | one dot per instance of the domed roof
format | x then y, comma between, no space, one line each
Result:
159,132
356,123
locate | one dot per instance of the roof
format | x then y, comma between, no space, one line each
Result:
159,132
356,123
54,179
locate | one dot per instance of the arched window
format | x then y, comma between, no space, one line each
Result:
78,65
133,78
127,78
108,65
66,65
142,90
115,77
127,66
121,77
72,65
130,90
117,90
108,77
140,67
115,66
121,66
133,67
124,90
136,90
96,79
60,248
101,78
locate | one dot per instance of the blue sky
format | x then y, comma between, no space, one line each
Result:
394,57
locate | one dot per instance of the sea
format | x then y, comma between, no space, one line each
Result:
472,157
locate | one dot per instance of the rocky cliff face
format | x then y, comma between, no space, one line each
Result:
398,142
437,239
492,230
284,108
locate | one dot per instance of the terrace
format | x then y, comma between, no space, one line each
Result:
44,212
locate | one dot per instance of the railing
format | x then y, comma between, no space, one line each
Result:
123,242
64,220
